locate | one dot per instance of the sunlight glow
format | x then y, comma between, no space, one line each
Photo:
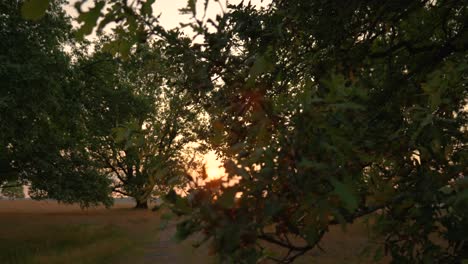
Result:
214,167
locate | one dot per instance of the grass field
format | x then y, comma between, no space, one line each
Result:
48,232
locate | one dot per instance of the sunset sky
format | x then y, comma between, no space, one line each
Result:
170,18
169,9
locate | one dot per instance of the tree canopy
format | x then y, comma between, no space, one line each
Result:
333,112
38,109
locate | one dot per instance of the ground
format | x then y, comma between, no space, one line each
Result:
48,232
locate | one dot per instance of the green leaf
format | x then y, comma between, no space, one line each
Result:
446,189
461,198
346,194
34,9
426,121
171,196
124,48
89,20
192,6
184,230
227,199
261,65
272,207
181,205
167,216
146,7
119,134
379,253
311,235
336,85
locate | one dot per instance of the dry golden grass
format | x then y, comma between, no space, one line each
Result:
47,232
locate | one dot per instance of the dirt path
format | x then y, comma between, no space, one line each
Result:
164,248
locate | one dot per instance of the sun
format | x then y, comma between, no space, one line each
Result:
214,167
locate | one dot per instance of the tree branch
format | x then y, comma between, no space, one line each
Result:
106,160
119,191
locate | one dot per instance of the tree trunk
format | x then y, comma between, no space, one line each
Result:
143,195
141,204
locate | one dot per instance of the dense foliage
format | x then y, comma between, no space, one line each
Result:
38,109
325,113
331,112
80,126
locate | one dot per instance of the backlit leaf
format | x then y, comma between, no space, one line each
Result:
89,19
346,194
146,7
34,9
227,199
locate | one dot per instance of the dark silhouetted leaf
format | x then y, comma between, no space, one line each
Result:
34,9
